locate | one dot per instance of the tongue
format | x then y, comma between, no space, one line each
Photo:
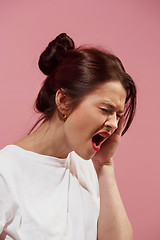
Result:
97,139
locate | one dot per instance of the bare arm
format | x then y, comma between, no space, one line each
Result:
113,223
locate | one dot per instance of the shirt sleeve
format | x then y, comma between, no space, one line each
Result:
8,207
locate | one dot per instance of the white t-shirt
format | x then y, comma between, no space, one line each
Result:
47,198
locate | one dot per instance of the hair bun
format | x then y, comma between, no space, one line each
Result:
54,53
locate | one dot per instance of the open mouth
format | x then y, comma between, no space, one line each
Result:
98,139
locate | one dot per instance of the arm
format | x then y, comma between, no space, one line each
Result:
113,223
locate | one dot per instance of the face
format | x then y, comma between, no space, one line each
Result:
95,119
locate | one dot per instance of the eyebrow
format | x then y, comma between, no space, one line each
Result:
111,106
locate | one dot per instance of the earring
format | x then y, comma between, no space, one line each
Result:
64,116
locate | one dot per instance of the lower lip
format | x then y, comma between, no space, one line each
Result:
97,148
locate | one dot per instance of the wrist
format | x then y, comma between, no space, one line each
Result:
107,168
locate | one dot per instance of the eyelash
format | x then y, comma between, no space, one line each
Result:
109,112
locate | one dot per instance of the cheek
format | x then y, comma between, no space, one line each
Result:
80,125
78,122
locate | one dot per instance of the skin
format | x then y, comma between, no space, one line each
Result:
94,114
58,136
101,110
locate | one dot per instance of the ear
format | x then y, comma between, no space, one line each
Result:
62,101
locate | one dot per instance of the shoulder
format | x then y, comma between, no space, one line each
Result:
85,173
81,165
12,164
8,205
8,156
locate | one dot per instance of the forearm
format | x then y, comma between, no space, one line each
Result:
113,223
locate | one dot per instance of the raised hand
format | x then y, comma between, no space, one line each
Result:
108,148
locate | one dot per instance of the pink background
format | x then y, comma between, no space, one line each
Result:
130,29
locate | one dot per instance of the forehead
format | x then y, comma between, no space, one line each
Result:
111,92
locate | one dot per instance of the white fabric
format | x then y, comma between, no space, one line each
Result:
46,198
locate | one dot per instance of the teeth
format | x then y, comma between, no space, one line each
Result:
102,135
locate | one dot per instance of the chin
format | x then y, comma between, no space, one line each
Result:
85,155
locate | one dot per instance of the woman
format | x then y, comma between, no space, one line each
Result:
58,182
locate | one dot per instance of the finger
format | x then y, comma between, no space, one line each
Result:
119,130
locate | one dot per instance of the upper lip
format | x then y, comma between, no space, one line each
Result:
104,134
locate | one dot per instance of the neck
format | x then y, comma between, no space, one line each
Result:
48,139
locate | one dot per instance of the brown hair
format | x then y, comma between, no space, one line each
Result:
78,72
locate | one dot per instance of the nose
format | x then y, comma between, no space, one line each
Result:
111,122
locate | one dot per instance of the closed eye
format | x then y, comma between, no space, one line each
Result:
104,110
107,111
